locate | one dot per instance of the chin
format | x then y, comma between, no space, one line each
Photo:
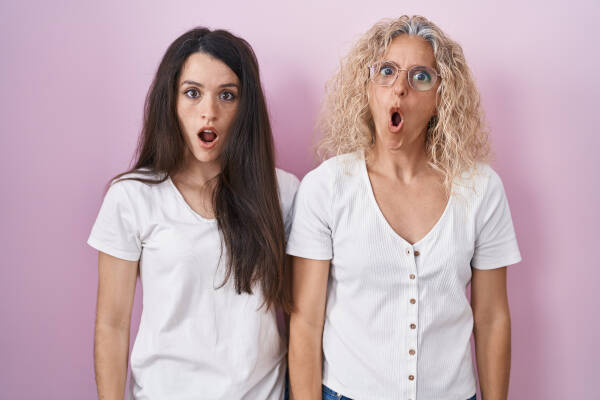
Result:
391,141
203,157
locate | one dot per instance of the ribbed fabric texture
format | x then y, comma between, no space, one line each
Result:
398,321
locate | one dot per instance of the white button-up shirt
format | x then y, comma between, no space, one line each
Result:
398,320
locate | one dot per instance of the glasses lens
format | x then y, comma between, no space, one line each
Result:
384,74
422,78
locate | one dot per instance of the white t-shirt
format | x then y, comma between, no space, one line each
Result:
194,341
398,321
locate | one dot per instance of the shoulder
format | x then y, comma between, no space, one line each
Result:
286,180
489,181
481,180
142,176
288,185
335,170
483,191
344,164
137,185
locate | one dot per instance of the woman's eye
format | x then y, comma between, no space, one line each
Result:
386,70
192,93
227,96
422,76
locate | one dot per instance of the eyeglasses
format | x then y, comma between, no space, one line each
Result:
420,78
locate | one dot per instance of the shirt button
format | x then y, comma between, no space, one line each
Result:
411,352
412,301
412,276
408,251
417,254
413,326
411,378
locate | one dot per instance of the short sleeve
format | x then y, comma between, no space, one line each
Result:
496,243
116,230
310,236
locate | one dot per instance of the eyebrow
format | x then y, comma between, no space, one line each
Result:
231,84
410,66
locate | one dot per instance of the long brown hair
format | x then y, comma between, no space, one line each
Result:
245,196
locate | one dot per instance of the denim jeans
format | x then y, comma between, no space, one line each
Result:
329,394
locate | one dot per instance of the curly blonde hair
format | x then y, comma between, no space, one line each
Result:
456,137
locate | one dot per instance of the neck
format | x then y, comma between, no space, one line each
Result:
403,163
196,173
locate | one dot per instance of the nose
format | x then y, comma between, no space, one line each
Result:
209,109
400,87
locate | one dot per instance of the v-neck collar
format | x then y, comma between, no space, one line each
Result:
186,205
367,181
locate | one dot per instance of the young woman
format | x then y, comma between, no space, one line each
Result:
203,218
388,234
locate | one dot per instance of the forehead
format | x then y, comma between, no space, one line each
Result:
206,69
406,50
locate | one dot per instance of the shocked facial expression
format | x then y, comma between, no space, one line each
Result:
207,101
400,112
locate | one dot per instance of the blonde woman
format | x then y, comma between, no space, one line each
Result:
390,231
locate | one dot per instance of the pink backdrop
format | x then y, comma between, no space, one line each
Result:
73,78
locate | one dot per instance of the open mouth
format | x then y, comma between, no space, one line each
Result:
395,122
207,135
396,118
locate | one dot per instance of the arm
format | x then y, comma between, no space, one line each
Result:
116,289
492,331
309,288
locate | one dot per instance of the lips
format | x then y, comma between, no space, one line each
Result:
396,120
208,136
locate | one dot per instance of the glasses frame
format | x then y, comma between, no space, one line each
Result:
435,75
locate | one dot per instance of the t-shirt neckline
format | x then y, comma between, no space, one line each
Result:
181,199
434,228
